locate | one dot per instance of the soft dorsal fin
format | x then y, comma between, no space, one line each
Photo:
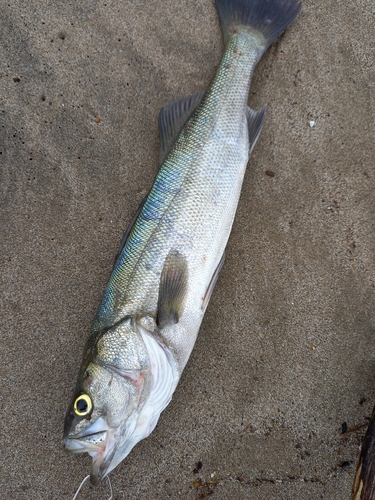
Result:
172,119
172,289
255,120
212,284
129,228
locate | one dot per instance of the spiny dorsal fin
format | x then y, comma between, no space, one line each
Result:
212,283
255,120
172,289
172,119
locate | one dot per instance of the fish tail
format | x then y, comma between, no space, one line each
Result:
265,19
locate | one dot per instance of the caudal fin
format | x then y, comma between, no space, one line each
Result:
268,18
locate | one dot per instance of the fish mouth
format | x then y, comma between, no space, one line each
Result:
90,443
92,439
98,441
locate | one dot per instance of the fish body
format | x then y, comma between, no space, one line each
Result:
170,258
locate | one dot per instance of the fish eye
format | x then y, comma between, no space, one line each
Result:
82,405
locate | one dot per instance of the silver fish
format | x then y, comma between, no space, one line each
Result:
172,253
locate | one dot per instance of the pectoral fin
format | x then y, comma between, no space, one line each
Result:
172,289
212,284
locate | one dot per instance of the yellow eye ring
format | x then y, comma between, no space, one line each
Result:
82,405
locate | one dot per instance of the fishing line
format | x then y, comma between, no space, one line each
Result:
83,482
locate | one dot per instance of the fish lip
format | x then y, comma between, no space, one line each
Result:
84,441
79,443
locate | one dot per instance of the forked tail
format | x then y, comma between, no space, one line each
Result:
266,19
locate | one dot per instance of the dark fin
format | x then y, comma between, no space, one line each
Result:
364,482
172,289
172,119
255,121
268,17
129,228
212,284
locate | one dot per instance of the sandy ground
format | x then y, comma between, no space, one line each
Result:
286,354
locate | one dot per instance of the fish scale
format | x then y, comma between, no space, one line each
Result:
195,192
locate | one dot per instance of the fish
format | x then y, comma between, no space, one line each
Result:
171,255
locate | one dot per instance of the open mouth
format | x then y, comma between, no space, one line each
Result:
91,440
90,443
98,441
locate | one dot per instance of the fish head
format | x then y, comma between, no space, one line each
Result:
126,380
101,416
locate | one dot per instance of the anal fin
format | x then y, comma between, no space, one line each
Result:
255,120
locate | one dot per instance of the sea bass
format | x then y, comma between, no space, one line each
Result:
171,255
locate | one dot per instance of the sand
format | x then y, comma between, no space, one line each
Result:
286,351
